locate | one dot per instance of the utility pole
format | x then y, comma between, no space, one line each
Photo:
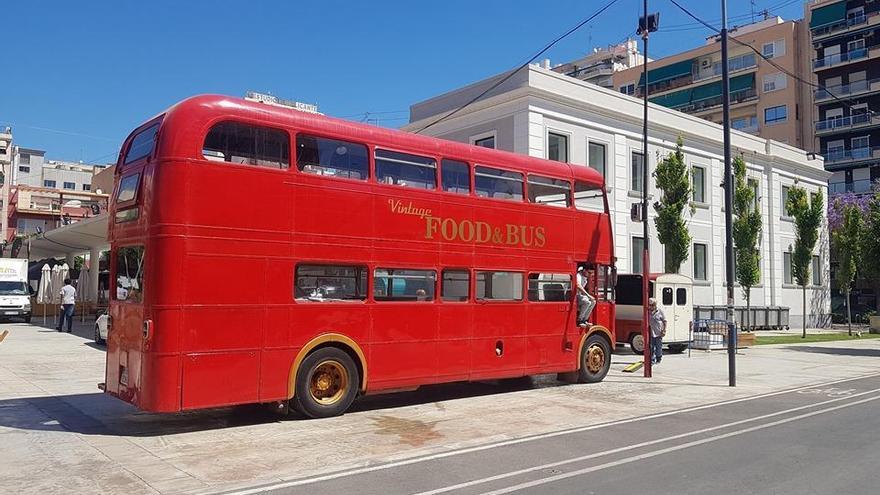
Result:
647,24
728,200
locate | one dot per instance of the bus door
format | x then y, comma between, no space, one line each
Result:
126,336
551,313
498,348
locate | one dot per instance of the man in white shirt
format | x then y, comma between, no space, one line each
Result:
68,300
585,301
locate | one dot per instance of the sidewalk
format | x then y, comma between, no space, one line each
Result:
61,434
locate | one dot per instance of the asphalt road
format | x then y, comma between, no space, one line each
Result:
811,440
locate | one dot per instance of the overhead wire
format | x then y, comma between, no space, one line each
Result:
524,65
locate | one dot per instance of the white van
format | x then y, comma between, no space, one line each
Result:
673,294
15,296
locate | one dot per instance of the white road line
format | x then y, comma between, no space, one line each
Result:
552,479
515,441
634,446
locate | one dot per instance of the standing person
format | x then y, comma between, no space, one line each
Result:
657,321
68,299
586,302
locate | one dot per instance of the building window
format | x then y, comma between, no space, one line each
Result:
700,259
786,268
49,183
24,159
87,187
557,147
784,196
774,49
637,168
774,115
629,89
699,179
817,270
392,284
775,82
638,245
860,147
753,185
504,286
70,185
596,158
25,170
854,45
485,142
331,157
403,169
244,144
746,124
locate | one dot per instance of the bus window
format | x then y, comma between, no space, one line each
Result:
547,191
142,144
247,144
456,177
497,183
330,283
589,197
403,169
391,284
128,188
681,297
130,274
322,156
667,296
549,287
456,285
503,286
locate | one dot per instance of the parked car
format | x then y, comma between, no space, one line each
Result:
101,329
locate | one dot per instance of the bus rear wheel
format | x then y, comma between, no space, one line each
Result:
326,383
637,344
595,359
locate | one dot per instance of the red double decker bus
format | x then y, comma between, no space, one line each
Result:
267,255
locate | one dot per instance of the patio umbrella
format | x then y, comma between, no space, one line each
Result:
83,290
44,290
55,285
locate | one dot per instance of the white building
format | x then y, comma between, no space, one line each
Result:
541,113
599,66
31,168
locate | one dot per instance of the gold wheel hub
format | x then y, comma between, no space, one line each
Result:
595,358
329,382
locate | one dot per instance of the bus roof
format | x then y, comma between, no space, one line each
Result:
197,114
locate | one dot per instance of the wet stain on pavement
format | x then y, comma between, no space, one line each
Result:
410,431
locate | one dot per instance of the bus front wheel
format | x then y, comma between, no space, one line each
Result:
595,359
326,383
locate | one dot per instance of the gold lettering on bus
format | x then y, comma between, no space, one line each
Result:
398,206
450,229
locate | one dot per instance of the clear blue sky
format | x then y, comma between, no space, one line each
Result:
81,75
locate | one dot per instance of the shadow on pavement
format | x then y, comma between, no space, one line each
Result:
838,351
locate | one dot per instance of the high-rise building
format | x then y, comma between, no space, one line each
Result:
846,64
764,100
599,66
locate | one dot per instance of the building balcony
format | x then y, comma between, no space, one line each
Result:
736,97
737,64
862,186
843,26
847,90
837,124
838,157
841,58
591,72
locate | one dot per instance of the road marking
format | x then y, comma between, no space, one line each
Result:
515,441
830,392
633,446
579,472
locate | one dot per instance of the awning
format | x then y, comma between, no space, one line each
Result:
707,91
76,238
673,100
828,14
745,81
671,71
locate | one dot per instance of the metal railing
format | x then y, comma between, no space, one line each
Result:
843,122
864,153
842,25
860,186
839,58
735,97
852,88
736,64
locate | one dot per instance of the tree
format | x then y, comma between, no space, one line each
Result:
871,241
746,229
807,215
848,243
673,180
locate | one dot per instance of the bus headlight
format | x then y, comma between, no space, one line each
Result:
26,307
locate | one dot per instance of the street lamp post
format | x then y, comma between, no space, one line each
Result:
728,199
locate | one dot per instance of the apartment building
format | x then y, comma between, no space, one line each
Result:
846,63
599,66
542,113
6,150
31,168
764,100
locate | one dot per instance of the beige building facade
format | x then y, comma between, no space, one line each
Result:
765,101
